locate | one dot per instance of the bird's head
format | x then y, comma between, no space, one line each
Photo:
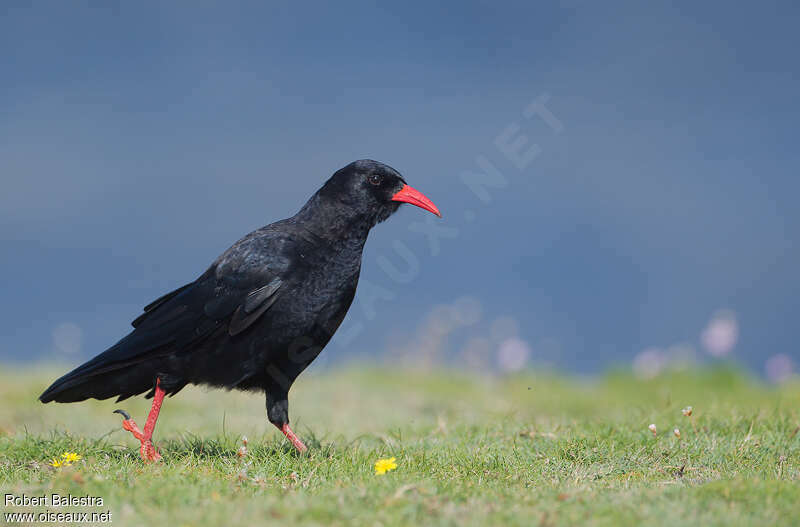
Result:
373,190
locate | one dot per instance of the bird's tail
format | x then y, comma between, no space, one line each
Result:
121,384
102,377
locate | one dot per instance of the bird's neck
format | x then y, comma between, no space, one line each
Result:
334,222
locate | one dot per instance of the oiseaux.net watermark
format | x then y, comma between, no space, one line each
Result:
52,508
513,148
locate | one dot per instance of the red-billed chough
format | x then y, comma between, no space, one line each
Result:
259,315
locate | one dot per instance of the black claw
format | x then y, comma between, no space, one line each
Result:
124,414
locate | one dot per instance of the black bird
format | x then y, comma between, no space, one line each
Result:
259,315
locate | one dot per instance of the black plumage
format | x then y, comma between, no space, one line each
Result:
262,312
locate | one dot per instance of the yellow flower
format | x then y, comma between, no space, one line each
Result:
382,466
70,457
56,463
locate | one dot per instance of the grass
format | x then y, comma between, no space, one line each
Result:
522,450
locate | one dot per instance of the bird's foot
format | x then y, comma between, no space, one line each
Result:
148,451
293,438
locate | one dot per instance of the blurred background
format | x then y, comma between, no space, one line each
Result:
618,181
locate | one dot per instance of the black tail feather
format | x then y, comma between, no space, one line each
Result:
123,382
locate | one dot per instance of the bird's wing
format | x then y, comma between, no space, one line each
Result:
229,297
209,302
235,292
157,302
254,305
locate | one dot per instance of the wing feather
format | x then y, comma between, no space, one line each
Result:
254,305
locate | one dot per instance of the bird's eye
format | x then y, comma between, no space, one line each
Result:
375,179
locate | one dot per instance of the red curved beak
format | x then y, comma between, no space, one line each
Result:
411,195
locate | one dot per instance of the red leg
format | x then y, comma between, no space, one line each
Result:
293,438
148,451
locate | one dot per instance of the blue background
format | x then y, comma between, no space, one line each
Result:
139,140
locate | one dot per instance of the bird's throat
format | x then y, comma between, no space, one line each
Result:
334,223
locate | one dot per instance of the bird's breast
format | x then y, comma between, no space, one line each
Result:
320,294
